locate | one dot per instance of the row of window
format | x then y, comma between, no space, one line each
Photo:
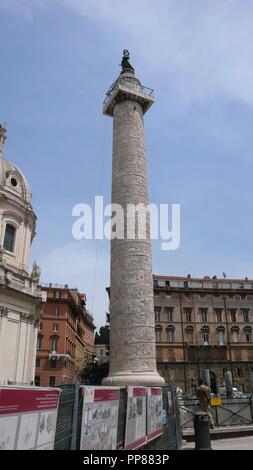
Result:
189,334
52,381
188,295
215,285
70,347
53,343
70,334
203,314
55,327
53,363
56,312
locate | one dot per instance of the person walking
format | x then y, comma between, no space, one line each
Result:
204,396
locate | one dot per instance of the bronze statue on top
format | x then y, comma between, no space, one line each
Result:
125,64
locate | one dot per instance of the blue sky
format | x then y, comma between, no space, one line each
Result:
59,57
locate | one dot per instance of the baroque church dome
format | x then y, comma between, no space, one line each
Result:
12,181
20,294
17,218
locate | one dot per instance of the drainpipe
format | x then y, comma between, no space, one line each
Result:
182,330
251,383
228,336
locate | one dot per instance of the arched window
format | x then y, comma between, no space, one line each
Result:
248,333
235,334
189,331
54,340
170,333
9,237
205,333
221,336
158,334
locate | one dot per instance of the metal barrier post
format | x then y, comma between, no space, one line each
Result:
229,384
216,416
74,419
202,433
251,409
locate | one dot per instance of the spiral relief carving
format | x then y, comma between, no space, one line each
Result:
132,333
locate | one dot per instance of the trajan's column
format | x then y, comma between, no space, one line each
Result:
132,329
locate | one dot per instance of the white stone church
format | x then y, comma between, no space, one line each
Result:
20,297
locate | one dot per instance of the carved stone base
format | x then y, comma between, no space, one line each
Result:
147,379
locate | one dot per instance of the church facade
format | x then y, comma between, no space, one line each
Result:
21,299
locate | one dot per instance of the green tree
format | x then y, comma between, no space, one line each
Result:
103,336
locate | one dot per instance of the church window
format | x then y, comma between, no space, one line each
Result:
9,237
14,182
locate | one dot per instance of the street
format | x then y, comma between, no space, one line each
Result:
236,443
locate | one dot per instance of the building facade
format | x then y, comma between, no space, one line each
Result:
66,337
20,296
204,324
101,353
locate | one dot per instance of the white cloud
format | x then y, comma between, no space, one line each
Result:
24,8
202,49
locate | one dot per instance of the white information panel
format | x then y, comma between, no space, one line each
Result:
28,418
135,435
154,413
100,418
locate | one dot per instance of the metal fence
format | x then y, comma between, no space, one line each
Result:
131,86
68,427
231,412
171,439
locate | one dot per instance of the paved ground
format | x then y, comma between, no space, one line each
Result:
245,430
236,443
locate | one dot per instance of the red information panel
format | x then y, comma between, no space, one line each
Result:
100,418
28,418
154,413
135,435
